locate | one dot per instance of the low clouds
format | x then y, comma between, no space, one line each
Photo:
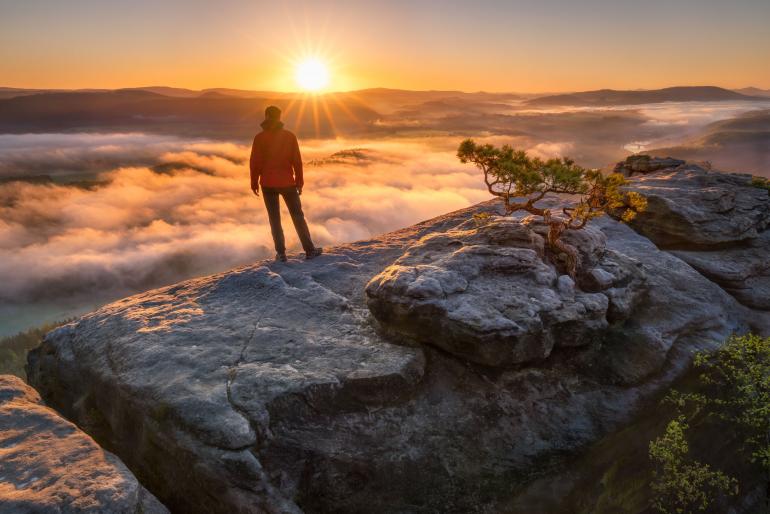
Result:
190,212
65,154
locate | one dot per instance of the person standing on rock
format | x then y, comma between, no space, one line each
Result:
276,165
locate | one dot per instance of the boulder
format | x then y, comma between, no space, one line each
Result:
716,222
691,208
270,388
486,293
643,164
47,465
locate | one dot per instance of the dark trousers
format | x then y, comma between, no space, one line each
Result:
291,198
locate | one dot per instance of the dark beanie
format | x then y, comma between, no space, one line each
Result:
273,113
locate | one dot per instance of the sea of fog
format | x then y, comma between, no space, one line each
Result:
184,208
679,120
101,216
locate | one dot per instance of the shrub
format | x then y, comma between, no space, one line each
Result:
760,182
735,391
737,380
681,484
520,181
480,218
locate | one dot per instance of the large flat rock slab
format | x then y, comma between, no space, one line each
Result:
47,465
212,356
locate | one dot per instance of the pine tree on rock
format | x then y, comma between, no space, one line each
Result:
520,181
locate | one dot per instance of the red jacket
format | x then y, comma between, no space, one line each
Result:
275,159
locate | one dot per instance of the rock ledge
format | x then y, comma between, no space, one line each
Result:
47,465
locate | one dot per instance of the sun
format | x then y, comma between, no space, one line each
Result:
312,74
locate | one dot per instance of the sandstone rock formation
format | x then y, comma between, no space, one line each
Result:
270,388
47,465
645,164
494,300
689,207
716,222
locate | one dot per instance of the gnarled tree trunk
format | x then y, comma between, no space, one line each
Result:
556,228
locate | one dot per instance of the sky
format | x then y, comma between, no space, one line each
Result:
515,45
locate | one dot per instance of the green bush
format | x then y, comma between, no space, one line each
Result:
734,392
681,484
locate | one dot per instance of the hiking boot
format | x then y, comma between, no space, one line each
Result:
280,257
312,254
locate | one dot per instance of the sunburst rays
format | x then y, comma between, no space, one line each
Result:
313,111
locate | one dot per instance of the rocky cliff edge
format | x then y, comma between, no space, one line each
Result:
435,368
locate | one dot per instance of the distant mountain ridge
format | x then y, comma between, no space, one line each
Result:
10,92
609,97
383,99
681,93
735,144
754,91
216,112
211,114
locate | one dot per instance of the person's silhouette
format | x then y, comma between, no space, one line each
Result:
276,165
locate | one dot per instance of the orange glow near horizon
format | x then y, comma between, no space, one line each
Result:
495,46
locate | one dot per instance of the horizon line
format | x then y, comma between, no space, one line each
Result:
320,93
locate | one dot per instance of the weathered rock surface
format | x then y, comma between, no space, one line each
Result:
743,270
485,293
211,358
718,223
270,389
646,164
47,465
689,207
